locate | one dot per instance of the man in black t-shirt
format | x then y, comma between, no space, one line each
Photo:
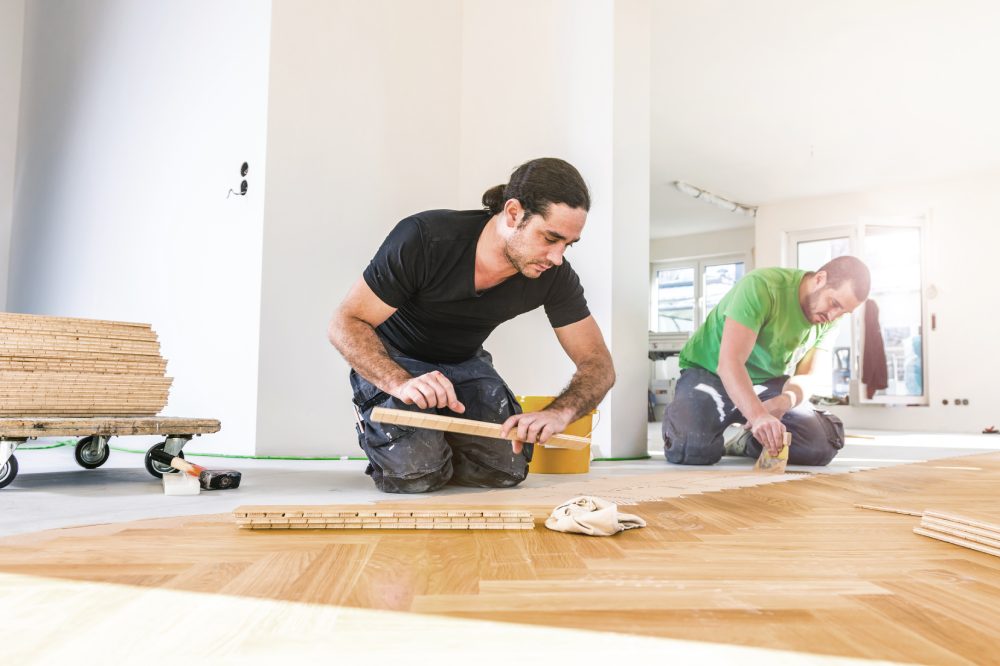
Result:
413,326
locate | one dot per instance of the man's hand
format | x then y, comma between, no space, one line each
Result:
769,431
428,391
534,427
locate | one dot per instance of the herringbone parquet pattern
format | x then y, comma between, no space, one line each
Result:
790,565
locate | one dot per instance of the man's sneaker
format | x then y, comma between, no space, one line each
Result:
737,446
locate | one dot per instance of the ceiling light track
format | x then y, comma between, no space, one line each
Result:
715,200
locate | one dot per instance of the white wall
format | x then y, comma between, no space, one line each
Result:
443,104
519,103
135,118
726,241
371,111
547,79
11,40
362,131
962,246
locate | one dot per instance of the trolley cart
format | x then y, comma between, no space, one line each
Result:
92,450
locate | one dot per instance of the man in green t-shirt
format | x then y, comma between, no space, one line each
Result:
752,360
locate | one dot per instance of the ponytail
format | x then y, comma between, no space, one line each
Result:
493,199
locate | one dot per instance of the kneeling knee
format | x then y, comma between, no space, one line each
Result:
505,480
692,452
817,458
423,483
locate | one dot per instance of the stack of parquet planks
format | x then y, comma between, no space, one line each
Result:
961,531
53,366
400,518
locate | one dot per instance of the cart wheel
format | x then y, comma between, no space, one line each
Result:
9,472
86,453
158,469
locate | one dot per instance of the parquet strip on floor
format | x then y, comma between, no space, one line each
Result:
792,566
401,517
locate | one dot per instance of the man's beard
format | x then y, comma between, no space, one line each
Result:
518,261
811,302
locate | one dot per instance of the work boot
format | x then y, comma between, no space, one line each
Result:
737,446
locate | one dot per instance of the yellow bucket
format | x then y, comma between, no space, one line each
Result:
558,461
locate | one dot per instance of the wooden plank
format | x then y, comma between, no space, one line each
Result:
27,319
958,541
339,516
889,509
990,539
139,335
993,527
106,425
381,510
929,521
465,426
115,356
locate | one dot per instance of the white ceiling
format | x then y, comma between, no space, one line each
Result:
775,99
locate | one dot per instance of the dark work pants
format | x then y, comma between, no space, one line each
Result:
701,410
417,460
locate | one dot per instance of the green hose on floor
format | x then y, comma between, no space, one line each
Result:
72,442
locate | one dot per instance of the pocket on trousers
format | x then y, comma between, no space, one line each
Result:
833,427
367,398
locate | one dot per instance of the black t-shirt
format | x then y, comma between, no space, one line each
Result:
426,268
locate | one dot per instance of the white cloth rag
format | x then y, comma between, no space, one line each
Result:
591,515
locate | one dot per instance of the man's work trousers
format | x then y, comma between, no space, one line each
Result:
694,422
416,460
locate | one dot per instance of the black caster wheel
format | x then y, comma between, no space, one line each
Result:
86,453
158,469
8,472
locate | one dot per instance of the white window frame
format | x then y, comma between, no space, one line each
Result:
699,264
855,235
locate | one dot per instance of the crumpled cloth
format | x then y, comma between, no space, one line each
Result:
592,516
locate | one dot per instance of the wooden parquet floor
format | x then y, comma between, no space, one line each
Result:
790,566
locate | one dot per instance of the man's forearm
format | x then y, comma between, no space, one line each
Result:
361,347
798,389
736,380
590,383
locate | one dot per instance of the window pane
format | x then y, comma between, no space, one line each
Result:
719,279
893,255
811,255
675,300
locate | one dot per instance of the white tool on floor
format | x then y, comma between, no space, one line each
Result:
180,484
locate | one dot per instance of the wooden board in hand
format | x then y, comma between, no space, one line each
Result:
465,427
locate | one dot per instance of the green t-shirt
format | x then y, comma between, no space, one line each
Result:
766,301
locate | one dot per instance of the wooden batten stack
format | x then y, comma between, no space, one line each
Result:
389,517
53,366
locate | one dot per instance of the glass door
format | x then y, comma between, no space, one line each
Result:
810,251
893,251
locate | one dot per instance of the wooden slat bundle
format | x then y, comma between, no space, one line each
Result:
379,517
961,531
58,366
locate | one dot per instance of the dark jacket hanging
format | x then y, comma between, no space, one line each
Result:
874,369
